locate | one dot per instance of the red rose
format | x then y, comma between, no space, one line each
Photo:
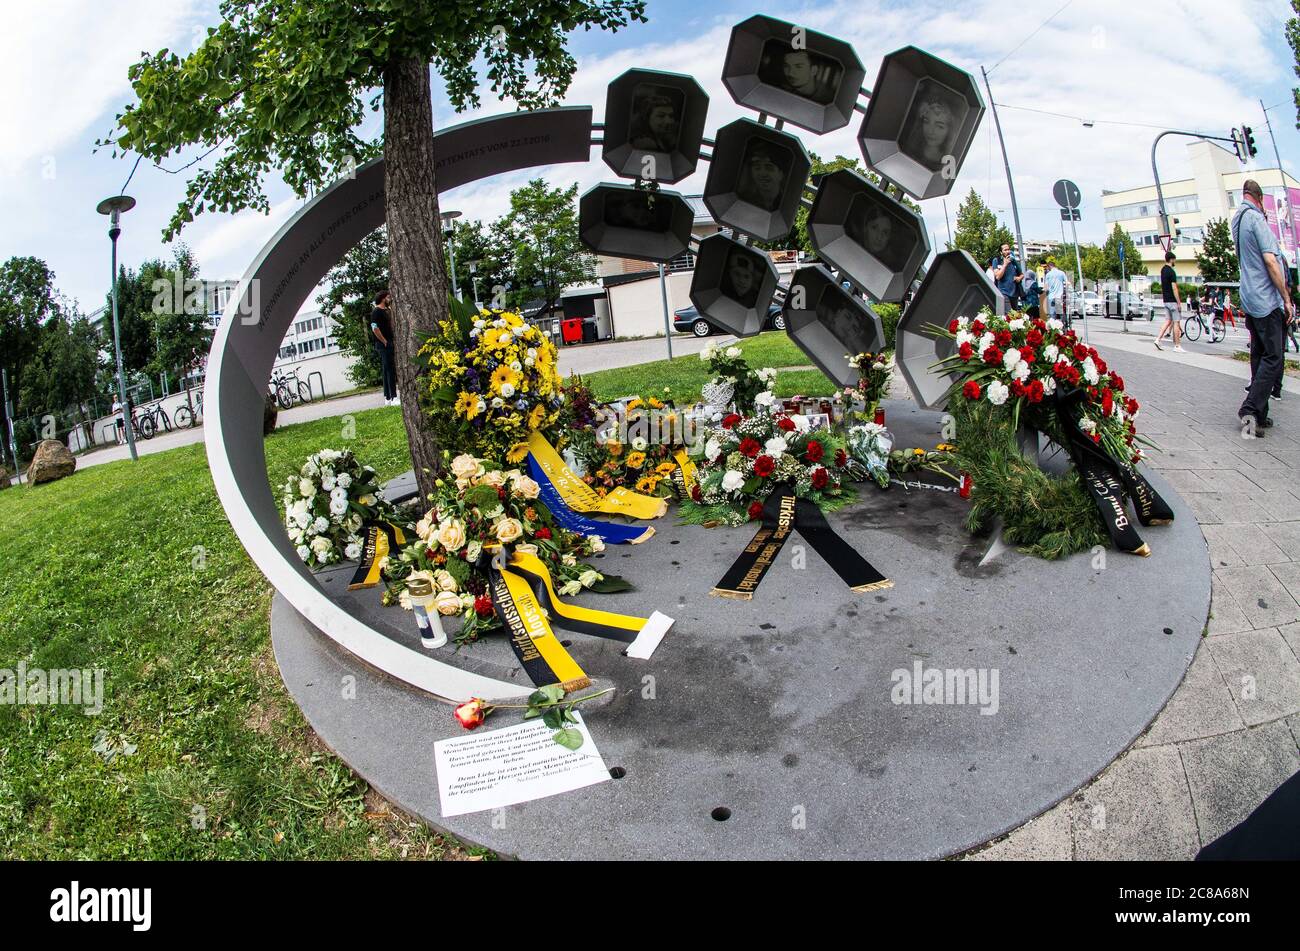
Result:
1003,337
820,478
1034,337
730,420
763,466
953,326
696,495
977,327
1061,370
1107,402
814,452
1018,388
971,390
543,532
501,492
785,424
1131,406
841,458
471,713
992,356
966,351
749,448
483,605
1036,391
756,511
1080,352
1027,354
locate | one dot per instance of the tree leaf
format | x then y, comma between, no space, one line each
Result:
568,738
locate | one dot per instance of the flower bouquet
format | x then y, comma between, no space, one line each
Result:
327,504
734,382
875,370
745,458
480,508
491,382
632,447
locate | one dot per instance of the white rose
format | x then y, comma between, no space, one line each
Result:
523,548
775,446
344,479
597,544
338,506
588,578
321,524
1090,370
732,480
509,529
765,398
352,552
451,535
464,466
307,488
327,483
447,603
338,492
507,390
997,392
321,546
304,552
706,354
732,352
444,581
494,478
569,560
570,588
1021,371
639,444
473,550
498,402
711,449
525,488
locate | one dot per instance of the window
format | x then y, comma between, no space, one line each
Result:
1178,204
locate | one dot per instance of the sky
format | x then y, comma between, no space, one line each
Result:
1131,68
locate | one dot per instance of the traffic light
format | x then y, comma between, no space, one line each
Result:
1249,137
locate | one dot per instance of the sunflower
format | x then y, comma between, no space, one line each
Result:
666,468
646,484
517,453
467,405
501,376
656,404
633,404
635,460
536,417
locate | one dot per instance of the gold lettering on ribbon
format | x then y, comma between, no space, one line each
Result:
519,634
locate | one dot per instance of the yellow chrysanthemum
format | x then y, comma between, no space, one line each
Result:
635,460
467,405
517,453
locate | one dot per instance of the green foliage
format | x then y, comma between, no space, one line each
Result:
978,230
1293,38
1218,258
1045,515
162,316
64,369
1133,265
284,87
889,315
353,283
542,230
27,300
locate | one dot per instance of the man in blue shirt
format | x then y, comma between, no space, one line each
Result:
1006,275
1054,285
1266,304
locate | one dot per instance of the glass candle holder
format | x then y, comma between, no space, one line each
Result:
420,591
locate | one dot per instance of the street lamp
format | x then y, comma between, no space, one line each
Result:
113,207
473,282
449,226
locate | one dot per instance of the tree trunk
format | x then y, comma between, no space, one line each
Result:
417,273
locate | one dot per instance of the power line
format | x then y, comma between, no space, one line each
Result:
1063,115
1031,35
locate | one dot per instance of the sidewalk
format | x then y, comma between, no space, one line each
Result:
1228,737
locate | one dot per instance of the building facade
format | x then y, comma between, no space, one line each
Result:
1213,191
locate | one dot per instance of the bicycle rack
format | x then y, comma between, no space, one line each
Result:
312,390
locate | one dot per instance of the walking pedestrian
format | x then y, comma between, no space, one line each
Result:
1032,292
1054,290
1173,304
1264,301
381,330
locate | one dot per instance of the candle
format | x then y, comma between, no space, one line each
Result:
420,591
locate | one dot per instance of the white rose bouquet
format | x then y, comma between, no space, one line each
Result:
328,503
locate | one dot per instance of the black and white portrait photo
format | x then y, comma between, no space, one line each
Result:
844,321
933,120
879,231
763,172
741,276
800,72
656,117
637,209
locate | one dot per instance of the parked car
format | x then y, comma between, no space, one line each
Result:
688,320
1087,304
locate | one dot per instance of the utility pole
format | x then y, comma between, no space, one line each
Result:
1015,209
9,418
668,324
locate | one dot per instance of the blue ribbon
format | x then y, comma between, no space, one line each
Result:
612,533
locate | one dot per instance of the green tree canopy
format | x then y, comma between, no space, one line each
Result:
1133,264
1218,258
542,226
284,86
978,230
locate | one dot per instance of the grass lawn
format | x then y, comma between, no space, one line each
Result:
686,374
199,751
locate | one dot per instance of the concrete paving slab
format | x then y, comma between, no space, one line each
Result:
1231,775
1138,810
1261,596
1046,838
1261,671
1201,706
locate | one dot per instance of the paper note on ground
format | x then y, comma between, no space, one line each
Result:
520,763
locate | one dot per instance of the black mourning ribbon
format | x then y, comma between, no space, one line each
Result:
784,513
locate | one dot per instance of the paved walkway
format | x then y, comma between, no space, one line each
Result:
1229,735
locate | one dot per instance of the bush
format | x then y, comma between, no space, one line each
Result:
889,314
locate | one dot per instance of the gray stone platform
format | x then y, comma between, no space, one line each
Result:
779,710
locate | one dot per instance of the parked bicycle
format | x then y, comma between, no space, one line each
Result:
1196,323
158,419
189,414
288,389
